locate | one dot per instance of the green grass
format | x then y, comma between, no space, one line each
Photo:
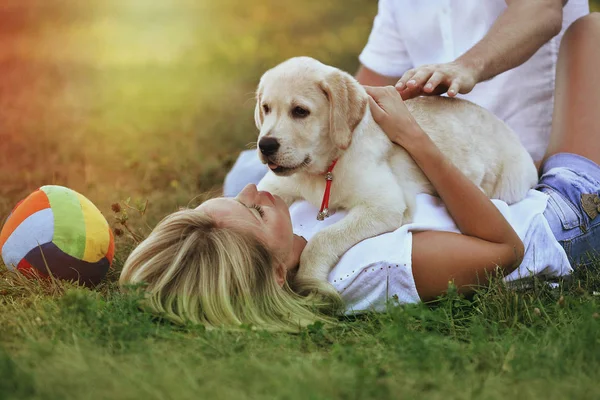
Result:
63,342
152,101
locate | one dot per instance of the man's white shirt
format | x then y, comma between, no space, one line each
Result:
411,33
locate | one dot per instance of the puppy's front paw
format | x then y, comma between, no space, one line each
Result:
311,279
324,296
316,261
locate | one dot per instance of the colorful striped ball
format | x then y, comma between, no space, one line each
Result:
58,230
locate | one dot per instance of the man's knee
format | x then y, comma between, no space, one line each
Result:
586,26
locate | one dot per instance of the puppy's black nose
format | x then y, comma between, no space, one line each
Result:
268,146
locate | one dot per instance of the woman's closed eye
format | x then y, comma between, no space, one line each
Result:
259,209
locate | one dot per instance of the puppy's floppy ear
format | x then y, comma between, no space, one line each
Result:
258,110
347,106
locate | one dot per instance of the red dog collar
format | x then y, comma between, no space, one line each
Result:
324,211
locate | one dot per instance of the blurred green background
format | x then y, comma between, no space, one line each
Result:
148,99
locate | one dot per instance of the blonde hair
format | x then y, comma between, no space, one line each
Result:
196,271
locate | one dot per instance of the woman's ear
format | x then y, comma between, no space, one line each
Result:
347,106
280,274
258,111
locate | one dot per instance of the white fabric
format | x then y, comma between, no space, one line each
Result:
380,269
247,169
411,33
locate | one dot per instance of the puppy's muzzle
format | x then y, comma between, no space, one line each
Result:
268,146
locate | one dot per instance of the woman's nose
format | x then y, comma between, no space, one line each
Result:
248,192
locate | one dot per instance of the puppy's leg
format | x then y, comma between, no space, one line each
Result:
325,248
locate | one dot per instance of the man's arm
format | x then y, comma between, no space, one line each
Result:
385,57
524,27
519,32
366,76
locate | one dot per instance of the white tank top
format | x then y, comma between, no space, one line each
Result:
379,269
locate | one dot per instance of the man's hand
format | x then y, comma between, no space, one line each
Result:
435,79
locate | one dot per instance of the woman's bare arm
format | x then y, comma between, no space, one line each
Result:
442,257
488,240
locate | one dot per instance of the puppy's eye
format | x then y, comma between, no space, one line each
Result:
300,112
266,108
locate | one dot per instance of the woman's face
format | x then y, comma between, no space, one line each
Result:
259,213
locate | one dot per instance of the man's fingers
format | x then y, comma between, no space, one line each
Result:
419,79
401,85
454,88
433,82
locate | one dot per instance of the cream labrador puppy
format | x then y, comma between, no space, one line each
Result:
310,115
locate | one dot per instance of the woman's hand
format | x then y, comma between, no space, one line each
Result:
435,79
390,112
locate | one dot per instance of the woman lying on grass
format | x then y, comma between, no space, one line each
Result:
232,261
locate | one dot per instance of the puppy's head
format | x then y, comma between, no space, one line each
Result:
306,112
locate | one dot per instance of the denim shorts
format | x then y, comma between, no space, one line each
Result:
572,183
